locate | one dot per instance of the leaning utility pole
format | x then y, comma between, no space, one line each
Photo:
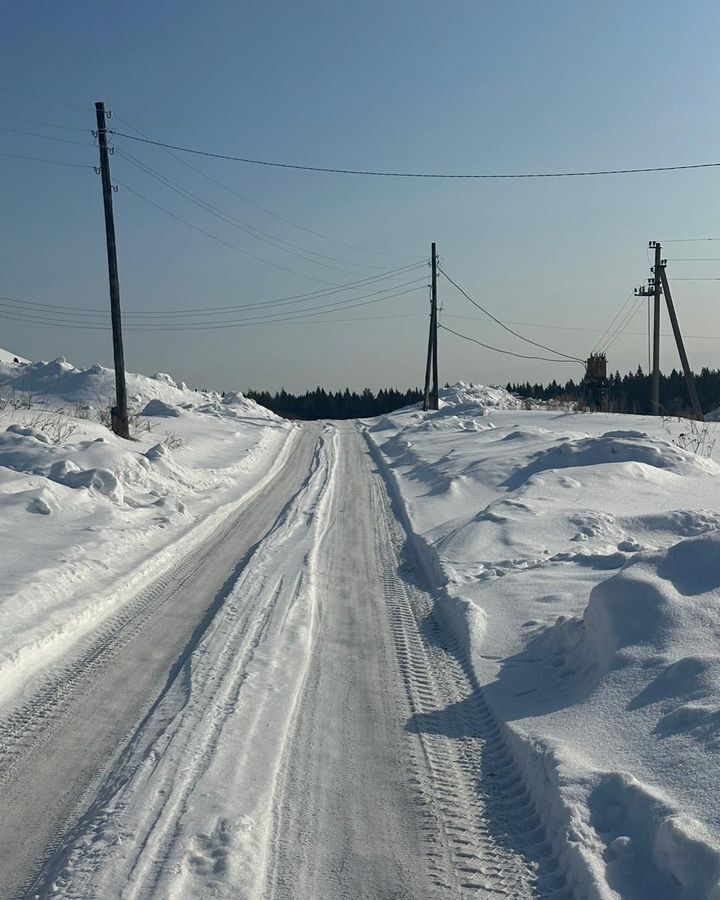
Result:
119,413
689,377
430,395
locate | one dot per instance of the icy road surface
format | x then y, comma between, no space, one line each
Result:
284,714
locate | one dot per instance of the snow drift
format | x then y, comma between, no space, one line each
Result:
587,547
83,511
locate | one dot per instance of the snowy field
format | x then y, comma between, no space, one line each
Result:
463,653
579,555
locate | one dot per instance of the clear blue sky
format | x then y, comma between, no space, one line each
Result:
457,87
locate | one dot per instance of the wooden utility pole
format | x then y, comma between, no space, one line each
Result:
119,413
653,290
656,330
433,293
430,395
660,275
428,364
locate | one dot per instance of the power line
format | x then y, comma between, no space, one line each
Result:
231,220
269,319
220,240
507,352
52,162
696,337
265,209
47,137
689,240
47,99
552,327
222,310
632,312
45,124
379,174
503,325
27,308
607,331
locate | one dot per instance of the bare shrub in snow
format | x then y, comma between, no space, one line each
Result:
699,438
10,399
138,424
82,411
57,424
173,441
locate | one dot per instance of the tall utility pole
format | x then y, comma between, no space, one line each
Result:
119,413
433,293
653,290
430,396
656,330
689,378
657,285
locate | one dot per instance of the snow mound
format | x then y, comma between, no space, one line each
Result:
60,382
645,651
658,601
615,447
476,397
165,379
235,405
160,408
97,465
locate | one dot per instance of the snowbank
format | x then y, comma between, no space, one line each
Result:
87,516
577,558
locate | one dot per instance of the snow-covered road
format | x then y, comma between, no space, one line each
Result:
66,734
285,715
382,794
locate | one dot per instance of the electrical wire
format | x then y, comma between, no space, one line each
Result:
220,240
610,339
222,310
270,212
52,162
379,174
525,324
20,307
503,325
608,330
231,220
507,352
44,124
47,99
624,324
270,319
47,137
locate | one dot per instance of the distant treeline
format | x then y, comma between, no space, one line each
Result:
322,404
631,393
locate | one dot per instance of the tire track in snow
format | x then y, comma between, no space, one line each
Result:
397,783
491,841
62,740
150,803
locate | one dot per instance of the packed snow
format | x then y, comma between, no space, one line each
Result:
489,631
88,517
579,557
